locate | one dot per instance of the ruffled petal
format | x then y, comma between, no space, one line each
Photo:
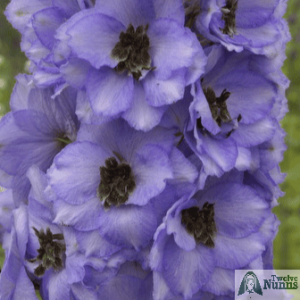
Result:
170,10
164,92
183,169
75,72
221,282
254,134
19,12
251,95
83,217
151,168
74,175
186,271
135,12
110,93
141,115
128,225
239,211
236,253
95,31
55,283
19,96
45,22
222,151
172,47
26,139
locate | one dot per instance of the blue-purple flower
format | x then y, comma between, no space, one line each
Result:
241,24
208,235
107,178
142,57
38,23
141,155
35,131
14,281
230,113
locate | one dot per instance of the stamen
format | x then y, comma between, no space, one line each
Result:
192,11
62,141
229,17
116,183
200,223
218,105
132,51
50,252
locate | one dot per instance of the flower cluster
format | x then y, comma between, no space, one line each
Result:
140,157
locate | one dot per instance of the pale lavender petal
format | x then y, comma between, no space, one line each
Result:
110,93
172,47
141,115
186,271
75,175
95,31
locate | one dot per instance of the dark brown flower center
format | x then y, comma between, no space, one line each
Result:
218,105
228,16
51,251
116,183
132,51
200,223
192,11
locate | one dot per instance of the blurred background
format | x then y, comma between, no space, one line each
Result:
287,242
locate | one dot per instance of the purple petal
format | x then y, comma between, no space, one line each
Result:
69,7
254,134
141,115
186,271
45,22
18,286
257,11
223,152
93,244
19,12
110,93
126,141
55,284
19,96
163,92
151,167
160,287
239,211
260,36
172,47
7,206
26,139
221,282
83,217
80,291
128,225
75,72
85,113
236,253
14,281
252,95
183,169
244,159
170,10
182,238
135,12
75,175
200,108
95,31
